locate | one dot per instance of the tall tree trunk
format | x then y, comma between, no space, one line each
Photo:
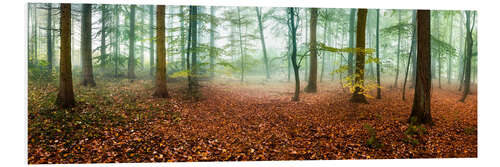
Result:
379,94
462,54
312,86
183,38
412,51
65,96
103,36
151,41
358,95
262,41
468,55
161,80
117,41
421,110
241,48
325,31
449,55
86,46
194,49
438,52
398,51
131,50
49,37
212,42
351,43
293,31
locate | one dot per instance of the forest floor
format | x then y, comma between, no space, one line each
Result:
119,121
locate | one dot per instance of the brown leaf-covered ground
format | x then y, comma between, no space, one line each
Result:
120,122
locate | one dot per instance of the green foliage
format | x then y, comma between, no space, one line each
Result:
414,132
372,140
41,72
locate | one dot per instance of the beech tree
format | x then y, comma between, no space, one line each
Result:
312,86
65,96
161,81
358,95
86,46
421,110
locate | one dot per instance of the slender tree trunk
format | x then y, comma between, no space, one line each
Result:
131,50
438,53
325,31
49,37
398,51
293,57
351,43
183,38
86,46
312,85
194,38
212,41
358,95
103,36
421,110
449,55
241,48
151,41
262,41
161,79
379,94
412,51
462,54
117,41
468,55
65,96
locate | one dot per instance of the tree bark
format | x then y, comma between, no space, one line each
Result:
379,91
313,71
358,95
421,109
293,31
86,46
468,55
151,41
131,50
161,81
65,96
262,41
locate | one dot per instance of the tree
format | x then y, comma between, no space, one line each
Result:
450,41
50,53
242,54
65,96
412,51
104,17
469,43
161,81
131,51
262,41
312,86
151,41
398,51
351,42
421,109
192,48
117,39
379,96
292,25
358,95
86,46
212,41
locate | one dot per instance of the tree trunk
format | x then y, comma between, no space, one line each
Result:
131,50
103,36
351,43
49,37
86,46
358,95
262,41
313,71
449,55
379,94
462,55
65,96
241,48
398,51
468,55
194,38
161,81
151,41
421,110
412,51
293,31
117,41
